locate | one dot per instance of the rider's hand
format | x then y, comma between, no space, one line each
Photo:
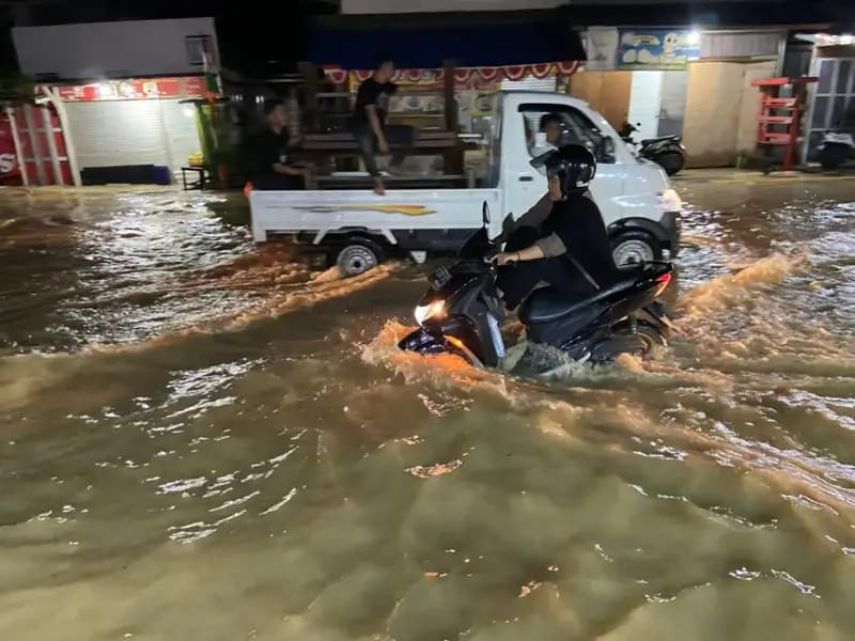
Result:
504,258
383,146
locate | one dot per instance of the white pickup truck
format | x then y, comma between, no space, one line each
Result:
358,229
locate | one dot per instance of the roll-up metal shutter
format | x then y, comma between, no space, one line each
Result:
179,121
133,132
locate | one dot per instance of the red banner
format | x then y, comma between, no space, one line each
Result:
135,89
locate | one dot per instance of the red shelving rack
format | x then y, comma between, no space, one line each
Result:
782,113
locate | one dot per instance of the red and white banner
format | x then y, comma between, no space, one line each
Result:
42,148
464,77
9,168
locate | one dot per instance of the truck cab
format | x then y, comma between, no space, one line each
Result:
358,228
639,208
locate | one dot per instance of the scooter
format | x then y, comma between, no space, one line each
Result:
838,145
462,311
668,151
836,149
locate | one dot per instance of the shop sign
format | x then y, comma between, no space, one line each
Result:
835,39
136,89
657,48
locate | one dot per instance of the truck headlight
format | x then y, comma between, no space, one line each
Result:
424,312
670,200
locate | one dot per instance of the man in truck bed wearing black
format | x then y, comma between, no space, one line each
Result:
369,123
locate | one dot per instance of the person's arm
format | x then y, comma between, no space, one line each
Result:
535,216
288,170
377,128
534,252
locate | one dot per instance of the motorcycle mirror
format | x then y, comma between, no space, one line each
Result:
485,213
508,224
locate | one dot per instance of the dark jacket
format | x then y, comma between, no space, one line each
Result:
577,221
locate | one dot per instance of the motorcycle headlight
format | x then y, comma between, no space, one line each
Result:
670,200
424,312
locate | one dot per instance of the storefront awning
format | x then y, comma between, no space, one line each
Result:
357,45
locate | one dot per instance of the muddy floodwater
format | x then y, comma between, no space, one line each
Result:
200,439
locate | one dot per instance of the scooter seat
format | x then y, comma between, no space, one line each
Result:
548,305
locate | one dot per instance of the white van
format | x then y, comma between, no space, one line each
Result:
358,228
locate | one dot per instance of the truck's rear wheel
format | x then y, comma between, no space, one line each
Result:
635,246
358,256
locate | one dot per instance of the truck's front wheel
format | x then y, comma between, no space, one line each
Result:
635,246
357,257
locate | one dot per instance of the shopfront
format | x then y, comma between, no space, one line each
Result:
667,81
125,130
832,98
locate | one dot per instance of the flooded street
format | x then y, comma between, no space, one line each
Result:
202,439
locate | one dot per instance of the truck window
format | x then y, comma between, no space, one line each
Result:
548,126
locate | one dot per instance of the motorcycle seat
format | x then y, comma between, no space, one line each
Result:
650,141
548,305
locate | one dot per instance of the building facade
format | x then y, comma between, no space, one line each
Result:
124,92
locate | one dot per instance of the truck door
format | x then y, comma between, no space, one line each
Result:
543,126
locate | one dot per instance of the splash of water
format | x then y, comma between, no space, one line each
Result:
719,293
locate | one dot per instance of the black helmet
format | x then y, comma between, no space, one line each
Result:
574,165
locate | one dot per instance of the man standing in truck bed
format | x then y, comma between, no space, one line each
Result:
369,123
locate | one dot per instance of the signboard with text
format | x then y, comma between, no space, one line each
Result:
135,89
657,48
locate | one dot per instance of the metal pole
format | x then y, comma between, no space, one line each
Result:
47,123
53,95
16,138
813,69
35,147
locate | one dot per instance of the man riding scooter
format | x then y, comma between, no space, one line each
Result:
567,246
590,310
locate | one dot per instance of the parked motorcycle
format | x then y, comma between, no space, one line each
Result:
462,311
838,145
836,149
668,151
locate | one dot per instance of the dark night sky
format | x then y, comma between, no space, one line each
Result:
251,32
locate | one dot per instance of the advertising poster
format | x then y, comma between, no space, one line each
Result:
601,47
657,48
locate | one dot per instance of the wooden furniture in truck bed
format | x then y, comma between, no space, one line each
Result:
326,132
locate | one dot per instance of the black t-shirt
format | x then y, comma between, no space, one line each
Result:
579,224
372,92
265,150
